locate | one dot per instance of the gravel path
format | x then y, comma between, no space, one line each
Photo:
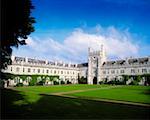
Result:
91,89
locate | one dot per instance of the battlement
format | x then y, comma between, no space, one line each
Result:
101,53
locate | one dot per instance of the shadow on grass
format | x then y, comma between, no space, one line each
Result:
55,107
147,92
8,108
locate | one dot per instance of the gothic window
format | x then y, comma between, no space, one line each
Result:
95,72
23,69
11,69
28,79
94,60
144,70
113,71
17,79
17,69
39,79
104,72
122,71
29,70
47,78
38,70
47,71
132,71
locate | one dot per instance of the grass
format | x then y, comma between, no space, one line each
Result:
35,103
32,93
138,94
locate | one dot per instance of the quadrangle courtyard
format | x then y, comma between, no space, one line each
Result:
76,101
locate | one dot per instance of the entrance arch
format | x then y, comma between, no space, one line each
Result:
95,80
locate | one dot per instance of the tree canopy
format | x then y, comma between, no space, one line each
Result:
16,25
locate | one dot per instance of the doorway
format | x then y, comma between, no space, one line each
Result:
95,80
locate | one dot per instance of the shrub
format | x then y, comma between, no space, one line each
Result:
113,82
62,82
56,83
82,80
32,83
68,82
118,82
101,82
40,83
134,83
19,84
110,82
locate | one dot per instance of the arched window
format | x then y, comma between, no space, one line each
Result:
29,70
28,79
17,69
39,79
47,78
23,69
17,79
11,69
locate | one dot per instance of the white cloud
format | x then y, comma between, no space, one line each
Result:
74,47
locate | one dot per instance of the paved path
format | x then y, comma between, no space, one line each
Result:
90,89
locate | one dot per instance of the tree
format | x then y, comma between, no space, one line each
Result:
16,25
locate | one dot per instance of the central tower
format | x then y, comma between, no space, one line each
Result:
95,60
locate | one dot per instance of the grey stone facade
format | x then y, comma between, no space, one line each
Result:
97,69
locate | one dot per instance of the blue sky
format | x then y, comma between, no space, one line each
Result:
60,22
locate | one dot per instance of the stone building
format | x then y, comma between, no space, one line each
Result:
97,69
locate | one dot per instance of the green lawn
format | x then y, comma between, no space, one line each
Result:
37,103
57,88
32,93
139,94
